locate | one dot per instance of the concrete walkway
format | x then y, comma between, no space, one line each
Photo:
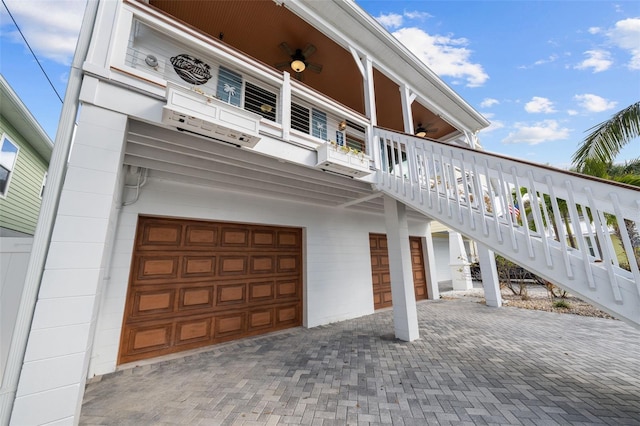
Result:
473,365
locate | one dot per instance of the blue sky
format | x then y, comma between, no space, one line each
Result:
543,72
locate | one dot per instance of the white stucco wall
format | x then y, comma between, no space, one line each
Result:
336,269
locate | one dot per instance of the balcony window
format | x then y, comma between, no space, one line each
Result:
229,88
260,101
8,156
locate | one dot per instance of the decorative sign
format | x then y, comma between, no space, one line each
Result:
339,138
190,69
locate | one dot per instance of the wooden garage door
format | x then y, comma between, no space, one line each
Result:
380,270
195,283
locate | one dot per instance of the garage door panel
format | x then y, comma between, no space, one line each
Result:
195,283
261,291
231,294
233,265
153,302
235,237
262,264
155,267
198,266
195,298
193,331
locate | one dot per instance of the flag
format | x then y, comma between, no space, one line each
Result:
514,210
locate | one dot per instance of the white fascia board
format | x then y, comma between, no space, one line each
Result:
344,21
21,118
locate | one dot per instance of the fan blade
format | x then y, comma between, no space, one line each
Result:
280,65
300,76
286,49
308,51
314,67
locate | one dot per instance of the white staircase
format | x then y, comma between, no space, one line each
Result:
474,193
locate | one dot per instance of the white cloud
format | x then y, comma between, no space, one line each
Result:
551,58
537,133
538,104
626,36
489,102
594,30
594,103
445,55
495,125
417,15
391,20
50,27
572,112
598,60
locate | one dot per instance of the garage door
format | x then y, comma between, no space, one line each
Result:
380,270
196,283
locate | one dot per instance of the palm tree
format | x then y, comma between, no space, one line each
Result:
607,138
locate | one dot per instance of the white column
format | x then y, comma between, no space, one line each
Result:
490,280
433,292
459,263
55,365
405,315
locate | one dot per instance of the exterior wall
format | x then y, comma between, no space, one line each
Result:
20,207
14,257
337,265
441,248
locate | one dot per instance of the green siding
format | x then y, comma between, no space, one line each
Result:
21,205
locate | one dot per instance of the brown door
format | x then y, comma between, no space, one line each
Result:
196,283
381,277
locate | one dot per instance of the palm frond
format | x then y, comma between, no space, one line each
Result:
607,138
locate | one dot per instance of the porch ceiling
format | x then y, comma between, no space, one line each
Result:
191,159
258,27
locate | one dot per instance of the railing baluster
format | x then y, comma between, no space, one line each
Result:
444,172
467,195
626,242
537,218
582,246
492,198
483,208
563,236
523,213
504,189
456,190
438,178
598,220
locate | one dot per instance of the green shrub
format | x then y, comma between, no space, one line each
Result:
561,304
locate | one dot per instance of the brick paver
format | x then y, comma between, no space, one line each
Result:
473,365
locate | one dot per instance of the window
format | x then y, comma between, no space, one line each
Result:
8,155
300,118
229,86
319,124
260,101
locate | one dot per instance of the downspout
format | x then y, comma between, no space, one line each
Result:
46,219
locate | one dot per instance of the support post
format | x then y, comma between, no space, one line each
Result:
433,291
459,263
405,315
490,281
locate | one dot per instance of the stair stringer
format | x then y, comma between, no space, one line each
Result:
513,246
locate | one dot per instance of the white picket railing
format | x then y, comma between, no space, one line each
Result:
580,233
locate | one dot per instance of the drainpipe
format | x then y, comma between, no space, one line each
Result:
46,219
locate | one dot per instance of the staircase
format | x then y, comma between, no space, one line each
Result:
559,225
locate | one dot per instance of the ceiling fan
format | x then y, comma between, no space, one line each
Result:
421,131
298,61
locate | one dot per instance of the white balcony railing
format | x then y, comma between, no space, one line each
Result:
150,50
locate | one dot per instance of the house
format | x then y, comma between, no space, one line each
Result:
244,167
25,150
24,159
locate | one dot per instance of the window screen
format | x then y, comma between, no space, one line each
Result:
229,86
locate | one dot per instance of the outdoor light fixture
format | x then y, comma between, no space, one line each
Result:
298,64
342,125
421,132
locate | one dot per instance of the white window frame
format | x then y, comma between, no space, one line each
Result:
13,166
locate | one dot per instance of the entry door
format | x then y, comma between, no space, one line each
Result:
381,276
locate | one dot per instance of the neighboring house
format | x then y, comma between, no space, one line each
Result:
241,167
25,150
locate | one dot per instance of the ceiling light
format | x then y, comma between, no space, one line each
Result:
298,65
342,125
421,132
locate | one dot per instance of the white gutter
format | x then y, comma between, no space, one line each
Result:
46,219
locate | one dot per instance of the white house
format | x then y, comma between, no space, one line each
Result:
243,167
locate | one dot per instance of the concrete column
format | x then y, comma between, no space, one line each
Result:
405,315
433,291
54,370
459,263
490,281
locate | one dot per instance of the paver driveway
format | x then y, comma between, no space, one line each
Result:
472,365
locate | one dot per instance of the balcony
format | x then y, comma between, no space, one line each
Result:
167,58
